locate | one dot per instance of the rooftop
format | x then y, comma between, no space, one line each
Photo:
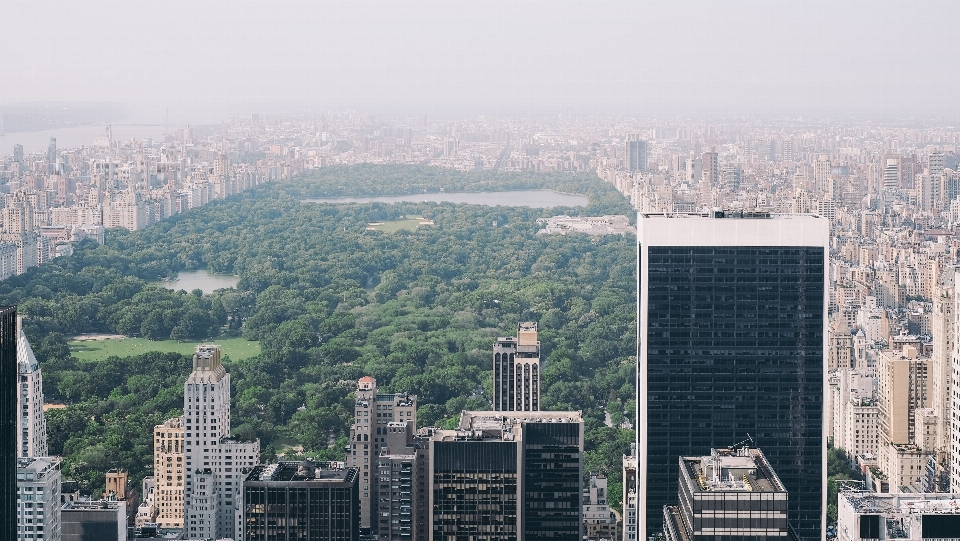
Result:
742,469
302,471
904,504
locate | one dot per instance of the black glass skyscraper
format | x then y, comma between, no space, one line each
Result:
731,346
8,423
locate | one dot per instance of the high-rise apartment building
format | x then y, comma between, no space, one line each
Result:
508,475
215,464
373,413
168,472
710,162
943,322
38,487
732,324
31,425
903,387
821,173
635,153
402,477
301,500
516,370
9,377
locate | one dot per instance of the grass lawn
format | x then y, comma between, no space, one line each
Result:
95,350
410,223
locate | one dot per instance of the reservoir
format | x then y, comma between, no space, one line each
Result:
202,280
517,198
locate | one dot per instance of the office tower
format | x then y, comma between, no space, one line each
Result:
8,423
402,470
731,493
18,153
373,412
516,370
85,520
214,463
693,171
630,498
731,342
599,522
38,485
168,472
32,427
507,475
635,153
710,162
865,516
301,500
52,151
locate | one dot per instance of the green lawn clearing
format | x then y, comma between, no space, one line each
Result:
410,223
95,350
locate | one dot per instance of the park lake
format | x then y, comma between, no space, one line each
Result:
203,280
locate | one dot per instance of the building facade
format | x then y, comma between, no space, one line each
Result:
732,344
507,475
32,426
38,489
9,378
730,494
215,464
373,413
867,516
516,370
168,471
301,500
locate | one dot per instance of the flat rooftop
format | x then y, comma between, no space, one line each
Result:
301,471
732,470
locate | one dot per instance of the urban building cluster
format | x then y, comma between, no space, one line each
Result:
796,289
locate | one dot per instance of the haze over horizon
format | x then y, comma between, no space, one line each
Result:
212,59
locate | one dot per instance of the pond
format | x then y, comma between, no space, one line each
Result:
513,198
203,280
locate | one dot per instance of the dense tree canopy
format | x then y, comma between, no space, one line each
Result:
331,301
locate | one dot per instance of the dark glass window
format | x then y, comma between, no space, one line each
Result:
735,347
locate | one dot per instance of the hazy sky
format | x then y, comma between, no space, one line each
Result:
832,57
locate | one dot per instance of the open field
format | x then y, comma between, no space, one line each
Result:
410,223
94,350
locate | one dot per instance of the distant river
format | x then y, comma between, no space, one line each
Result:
73,137
202,280
516,198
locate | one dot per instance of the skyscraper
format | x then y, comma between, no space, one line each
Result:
635,153
508,475
31,425
214,463
710,161
516,370
52,151
732,323
301,500
8,423
373,413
